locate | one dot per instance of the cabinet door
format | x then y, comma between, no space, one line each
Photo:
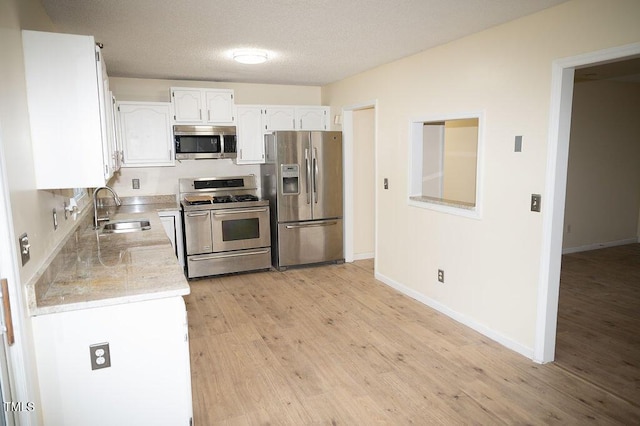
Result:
219,106
62,81
187,105
312,118
146,134
279,118
250,135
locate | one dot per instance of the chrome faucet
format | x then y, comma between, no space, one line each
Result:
97,219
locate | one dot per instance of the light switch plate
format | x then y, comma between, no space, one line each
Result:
25,248
535,202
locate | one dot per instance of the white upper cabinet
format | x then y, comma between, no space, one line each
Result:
202,106
312,118
145,128
67,111
219,106
279,118
296,118
250,135
256,120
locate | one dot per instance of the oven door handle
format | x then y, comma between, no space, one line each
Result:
222,256
239,211
313,225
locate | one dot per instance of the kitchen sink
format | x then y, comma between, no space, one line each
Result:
126,226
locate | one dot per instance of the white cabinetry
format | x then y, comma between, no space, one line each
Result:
250,134
148,381
279,118
66,99
312,118
145,128
202,106
296,118
256,120
172,223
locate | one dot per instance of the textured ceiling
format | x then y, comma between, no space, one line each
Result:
311,42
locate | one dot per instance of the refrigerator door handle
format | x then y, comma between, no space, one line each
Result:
315,175
307,167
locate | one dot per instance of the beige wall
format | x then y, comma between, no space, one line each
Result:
32,209
460,160
154,90
491,265
364,181
164,180
603,184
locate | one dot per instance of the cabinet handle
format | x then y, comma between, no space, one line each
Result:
293,122
200,114
208,115
197,214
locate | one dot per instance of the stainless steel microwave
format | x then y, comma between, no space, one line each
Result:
203,142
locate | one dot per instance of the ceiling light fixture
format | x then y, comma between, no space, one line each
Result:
250,56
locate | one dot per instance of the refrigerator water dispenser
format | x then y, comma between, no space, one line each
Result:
290,179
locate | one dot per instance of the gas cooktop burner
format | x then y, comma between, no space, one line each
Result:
222,199
245,197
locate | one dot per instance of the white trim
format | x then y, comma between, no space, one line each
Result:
348,160
23,381
457,316
363,256
562,71
414,184
597,246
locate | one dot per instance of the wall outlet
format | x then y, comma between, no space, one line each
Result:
135,183
441,275
100,356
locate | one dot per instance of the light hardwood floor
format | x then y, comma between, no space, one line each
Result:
331,345
598,336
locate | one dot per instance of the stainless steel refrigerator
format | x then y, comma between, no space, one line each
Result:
302,179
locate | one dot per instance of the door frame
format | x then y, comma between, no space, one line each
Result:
562,74
22,384
349,158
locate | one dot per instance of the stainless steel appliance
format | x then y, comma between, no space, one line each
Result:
226,226
302,179
202,142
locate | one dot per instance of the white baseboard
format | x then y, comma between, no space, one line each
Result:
596,246
363,256
461,318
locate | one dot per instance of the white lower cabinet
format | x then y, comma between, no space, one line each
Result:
148,381
172,223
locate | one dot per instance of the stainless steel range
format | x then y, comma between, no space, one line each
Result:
226,226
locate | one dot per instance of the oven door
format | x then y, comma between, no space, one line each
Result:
240,229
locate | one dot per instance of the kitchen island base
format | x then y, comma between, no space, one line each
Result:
148,381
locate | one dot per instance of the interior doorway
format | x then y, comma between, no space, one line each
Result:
359,134
563,71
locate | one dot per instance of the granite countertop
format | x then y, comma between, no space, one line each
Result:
95,269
